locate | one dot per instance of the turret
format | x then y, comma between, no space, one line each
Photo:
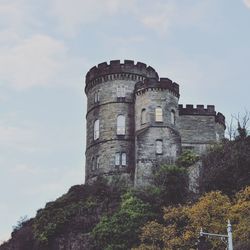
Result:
157,140
110,117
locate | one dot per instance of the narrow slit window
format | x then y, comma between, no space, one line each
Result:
120,125
96,130
158,145
124,159
93,163
97,162
158,114
96,96
143,116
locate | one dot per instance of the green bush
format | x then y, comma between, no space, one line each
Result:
121,230
171,184
55,217
226,167
187,158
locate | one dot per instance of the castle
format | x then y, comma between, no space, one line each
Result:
134,122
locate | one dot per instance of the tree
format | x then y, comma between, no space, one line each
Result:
172,182
187,158
121,230
238,126
182,224
21,222
226,166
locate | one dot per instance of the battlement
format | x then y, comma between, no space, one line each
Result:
199,110
115,67
163,83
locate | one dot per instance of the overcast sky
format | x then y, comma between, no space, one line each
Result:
46,48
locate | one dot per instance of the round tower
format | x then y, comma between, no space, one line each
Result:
157,139
110,117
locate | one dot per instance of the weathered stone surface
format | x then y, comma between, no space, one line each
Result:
194,127
194,172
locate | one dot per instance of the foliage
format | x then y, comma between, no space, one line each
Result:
121,230
226,166
20,223
240,215
80,200
187,158
171,184
181,225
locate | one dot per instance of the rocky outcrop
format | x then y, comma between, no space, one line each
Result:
67,222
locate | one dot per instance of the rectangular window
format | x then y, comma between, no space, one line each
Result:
158,145
120,125
124,160
117,159
158,114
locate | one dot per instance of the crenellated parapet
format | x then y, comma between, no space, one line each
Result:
117,70
198,110
201,110
152,83
134,122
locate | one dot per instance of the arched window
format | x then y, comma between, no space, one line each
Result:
120,159
124,159
158,146
96,130
172,116
143,116
121,125
158,114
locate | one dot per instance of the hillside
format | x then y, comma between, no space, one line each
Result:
166,216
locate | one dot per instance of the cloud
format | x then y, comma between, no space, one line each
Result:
17,137
125,41
18,16
11,14
32,61
39,60
158,17
71,15
162,16
247,3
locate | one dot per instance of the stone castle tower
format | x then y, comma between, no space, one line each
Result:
134,122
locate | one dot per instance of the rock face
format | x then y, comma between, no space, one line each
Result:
66,223
134,122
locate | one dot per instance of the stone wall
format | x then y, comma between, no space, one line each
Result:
193,127
200,127
147,133
146,157
104,80
109,143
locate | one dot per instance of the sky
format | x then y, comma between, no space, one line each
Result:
47,47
